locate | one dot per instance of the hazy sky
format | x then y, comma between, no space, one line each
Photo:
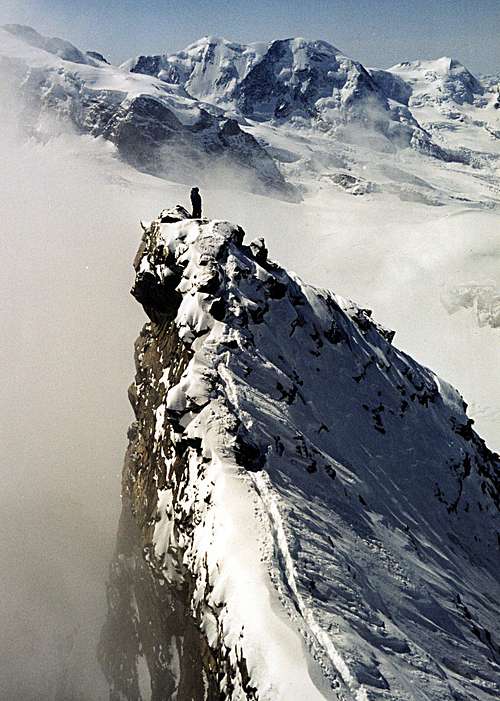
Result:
376,32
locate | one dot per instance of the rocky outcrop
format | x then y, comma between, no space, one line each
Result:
306,509
392,85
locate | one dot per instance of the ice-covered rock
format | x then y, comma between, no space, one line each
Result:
308,512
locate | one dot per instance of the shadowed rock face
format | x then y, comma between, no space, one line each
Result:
283,85
151,138
295,488
150,647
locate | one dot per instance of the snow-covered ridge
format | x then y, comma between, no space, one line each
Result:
319,501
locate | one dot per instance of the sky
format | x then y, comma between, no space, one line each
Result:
376,32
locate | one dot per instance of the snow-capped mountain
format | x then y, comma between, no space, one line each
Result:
354,119
311,83
291,79
436,82
289,116
454,106
318,517
156,127
210,69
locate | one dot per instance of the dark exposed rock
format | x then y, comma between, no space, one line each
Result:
275,288
150,621
148,65
247,454
259,250
158,297
97,56
218,309
177,213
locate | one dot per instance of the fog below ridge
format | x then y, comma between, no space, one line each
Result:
69,235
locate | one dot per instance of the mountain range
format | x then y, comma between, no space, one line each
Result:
250,106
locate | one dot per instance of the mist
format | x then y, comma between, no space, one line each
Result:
69,234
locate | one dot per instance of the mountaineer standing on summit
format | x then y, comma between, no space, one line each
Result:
196,203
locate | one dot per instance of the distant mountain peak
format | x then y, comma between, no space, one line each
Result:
439,80
441,66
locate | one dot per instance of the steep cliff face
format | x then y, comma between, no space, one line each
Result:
308,513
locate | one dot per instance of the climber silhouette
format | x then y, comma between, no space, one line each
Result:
196,202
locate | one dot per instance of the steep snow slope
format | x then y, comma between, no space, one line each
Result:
317,501
210,68
156,127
